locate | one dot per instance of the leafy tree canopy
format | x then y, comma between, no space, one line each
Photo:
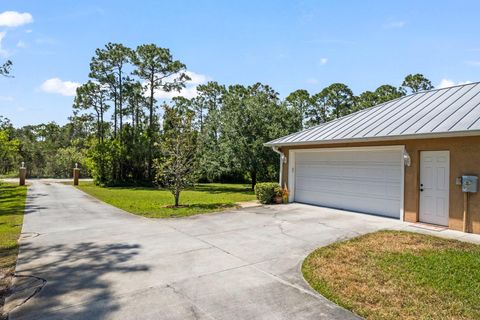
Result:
417,82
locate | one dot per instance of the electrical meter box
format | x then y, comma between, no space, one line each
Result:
469,183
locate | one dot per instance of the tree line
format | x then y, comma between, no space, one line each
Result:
122,133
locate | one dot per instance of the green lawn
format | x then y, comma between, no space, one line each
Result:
155,203
399,275
12,206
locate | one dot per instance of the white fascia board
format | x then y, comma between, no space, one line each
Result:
383,138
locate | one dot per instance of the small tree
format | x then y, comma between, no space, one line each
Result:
176,169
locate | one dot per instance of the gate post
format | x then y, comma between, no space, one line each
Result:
76,174
23,174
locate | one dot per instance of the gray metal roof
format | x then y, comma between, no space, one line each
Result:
453,111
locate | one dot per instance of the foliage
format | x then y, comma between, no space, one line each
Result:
417,82
157,68
5,68
93,95
116,132
267,191
50,150
176,167
251,116
64,161
155,203
382,94
332,102
211,155
301,103
9,147
100,161
231,124
12,205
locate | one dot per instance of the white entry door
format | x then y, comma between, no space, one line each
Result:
434,186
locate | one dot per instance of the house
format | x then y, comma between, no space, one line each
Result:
403,159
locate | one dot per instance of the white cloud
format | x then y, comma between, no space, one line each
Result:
445,83
323,61
312,81
58,86
190,90
45,40
14,18
395,24
3,52
21,44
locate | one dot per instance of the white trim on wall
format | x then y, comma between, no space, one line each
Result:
291,175
402,195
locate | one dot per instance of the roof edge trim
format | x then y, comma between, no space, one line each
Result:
383,138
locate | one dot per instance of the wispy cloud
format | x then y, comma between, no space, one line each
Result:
395,24
45,40
445,83
473,63
190,90
341,42
6,98
14,18
21,44
3,52
323,61
59,86
311,80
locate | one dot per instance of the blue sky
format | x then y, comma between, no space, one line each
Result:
286,44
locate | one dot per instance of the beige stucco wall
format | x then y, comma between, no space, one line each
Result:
464,160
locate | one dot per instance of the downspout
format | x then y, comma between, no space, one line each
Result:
282,158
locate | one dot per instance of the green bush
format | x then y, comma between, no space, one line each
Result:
267,191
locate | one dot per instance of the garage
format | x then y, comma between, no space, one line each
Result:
360,179
406,158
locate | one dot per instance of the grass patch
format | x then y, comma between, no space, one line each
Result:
155,203
12,206
399,275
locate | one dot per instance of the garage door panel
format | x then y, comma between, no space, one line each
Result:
374,173
317,177
350,187
375,205
366,181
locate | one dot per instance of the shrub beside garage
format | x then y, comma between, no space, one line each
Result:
269,192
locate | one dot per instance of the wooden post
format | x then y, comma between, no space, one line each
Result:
465,212
23,174
76,175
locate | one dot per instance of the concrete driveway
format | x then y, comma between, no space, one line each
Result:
88,260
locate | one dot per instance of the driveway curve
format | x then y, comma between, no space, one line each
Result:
83,259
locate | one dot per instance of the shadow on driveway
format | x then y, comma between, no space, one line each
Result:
71,273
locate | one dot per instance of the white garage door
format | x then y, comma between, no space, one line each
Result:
358,179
